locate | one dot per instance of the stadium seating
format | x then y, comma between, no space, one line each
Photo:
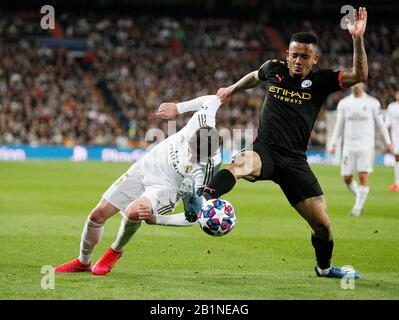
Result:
109,94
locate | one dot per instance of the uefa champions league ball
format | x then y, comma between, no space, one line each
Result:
217,217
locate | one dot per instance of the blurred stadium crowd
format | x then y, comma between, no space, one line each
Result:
109,93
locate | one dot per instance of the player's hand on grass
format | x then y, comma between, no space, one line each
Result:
145,213
390,148
225,95
167,110
358,27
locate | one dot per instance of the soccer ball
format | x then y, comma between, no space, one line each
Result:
217,217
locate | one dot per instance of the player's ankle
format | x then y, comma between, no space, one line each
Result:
84,262
323,271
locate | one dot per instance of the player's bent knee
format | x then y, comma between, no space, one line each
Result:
245,164
98,215
102,212
348,179
235,170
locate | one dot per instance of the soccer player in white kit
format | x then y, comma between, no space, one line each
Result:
149,189
357,115
392,122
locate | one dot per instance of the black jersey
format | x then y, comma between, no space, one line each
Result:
291,105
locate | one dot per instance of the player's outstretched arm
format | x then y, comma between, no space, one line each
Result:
359,71
169,110
249,81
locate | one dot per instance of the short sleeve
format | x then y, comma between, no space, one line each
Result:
264,70
330,80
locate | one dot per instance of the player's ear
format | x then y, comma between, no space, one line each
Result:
316,55
316,58
287,54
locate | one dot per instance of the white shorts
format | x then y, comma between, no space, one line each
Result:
357,161
130,187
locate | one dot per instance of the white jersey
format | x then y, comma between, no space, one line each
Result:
356,118
158,175
392,118
168,162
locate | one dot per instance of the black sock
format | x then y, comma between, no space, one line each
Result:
323,251
220,184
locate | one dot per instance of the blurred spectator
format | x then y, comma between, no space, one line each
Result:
133,64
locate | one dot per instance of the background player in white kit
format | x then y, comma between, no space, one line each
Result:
392,122
150,187
357,115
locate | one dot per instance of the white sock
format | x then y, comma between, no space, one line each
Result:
126,231
323,271
353,187
91,235
361,197
397,173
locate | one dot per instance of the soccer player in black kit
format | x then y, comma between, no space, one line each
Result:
294,97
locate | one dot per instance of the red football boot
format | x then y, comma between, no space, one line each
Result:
73,266
106,262
394,187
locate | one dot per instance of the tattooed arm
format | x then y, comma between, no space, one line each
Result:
359,72
249,81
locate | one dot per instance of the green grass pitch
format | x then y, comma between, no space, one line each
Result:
268,255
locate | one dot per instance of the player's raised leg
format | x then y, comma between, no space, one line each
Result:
246,164
129,225
91,236
314,211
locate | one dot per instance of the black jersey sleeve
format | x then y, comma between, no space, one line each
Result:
264,70
329,80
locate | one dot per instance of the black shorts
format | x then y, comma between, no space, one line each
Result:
291,172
